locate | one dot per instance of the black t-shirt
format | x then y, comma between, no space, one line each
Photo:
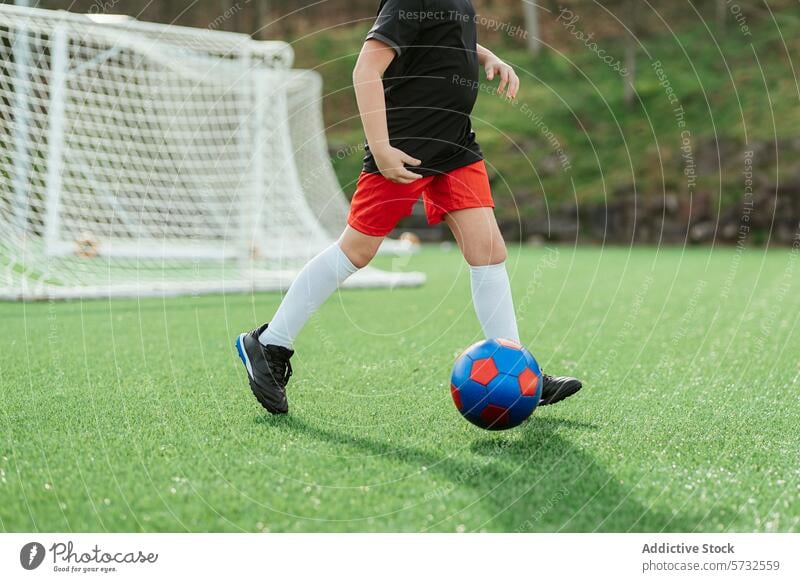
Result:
432,83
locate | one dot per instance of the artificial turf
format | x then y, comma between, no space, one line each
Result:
135,415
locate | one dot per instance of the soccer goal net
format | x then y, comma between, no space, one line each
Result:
140,159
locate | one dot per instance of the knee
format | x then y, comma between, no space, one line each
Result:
359,254
488,252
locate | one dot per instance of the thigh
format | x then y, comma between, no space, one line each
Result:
379,204
478,235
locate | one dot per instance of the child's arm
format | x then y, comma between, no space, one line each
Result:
375,57
494,66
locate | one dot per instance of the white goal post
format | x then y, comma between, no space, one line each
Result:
145,159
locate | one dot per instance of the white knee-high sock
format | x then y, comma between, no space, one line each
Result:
321,276
491,296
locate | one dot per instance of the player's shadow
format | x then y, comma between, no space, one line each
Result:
535,480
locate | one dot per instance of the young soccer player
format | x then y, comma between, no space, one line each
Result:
416,81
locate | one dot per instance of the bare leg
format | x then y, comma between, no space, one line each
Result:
483,248
478,236
360,248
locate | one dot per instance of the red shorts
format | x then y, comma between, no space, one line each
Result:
379,204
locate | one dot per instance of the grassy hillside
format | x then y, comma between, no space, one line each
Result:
571,137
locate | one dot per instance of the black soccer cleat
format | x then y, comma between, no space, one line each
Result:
555,389
268,369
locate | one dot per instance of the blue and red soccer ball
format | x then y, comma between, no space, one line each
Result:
496,384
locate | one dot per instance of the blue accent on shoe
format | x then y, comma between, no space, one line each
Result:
243,354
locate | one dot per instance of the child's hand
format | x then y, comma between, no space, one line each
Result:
509,81
390,162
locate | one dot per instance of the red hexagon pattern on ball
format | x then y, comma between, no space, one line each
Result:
494,416
456,396
528,382
483,371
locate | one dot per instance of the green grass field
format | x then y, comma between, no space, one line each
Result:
136,416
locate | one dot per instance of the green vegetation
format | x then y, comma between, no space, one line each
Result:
741,94
135,415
